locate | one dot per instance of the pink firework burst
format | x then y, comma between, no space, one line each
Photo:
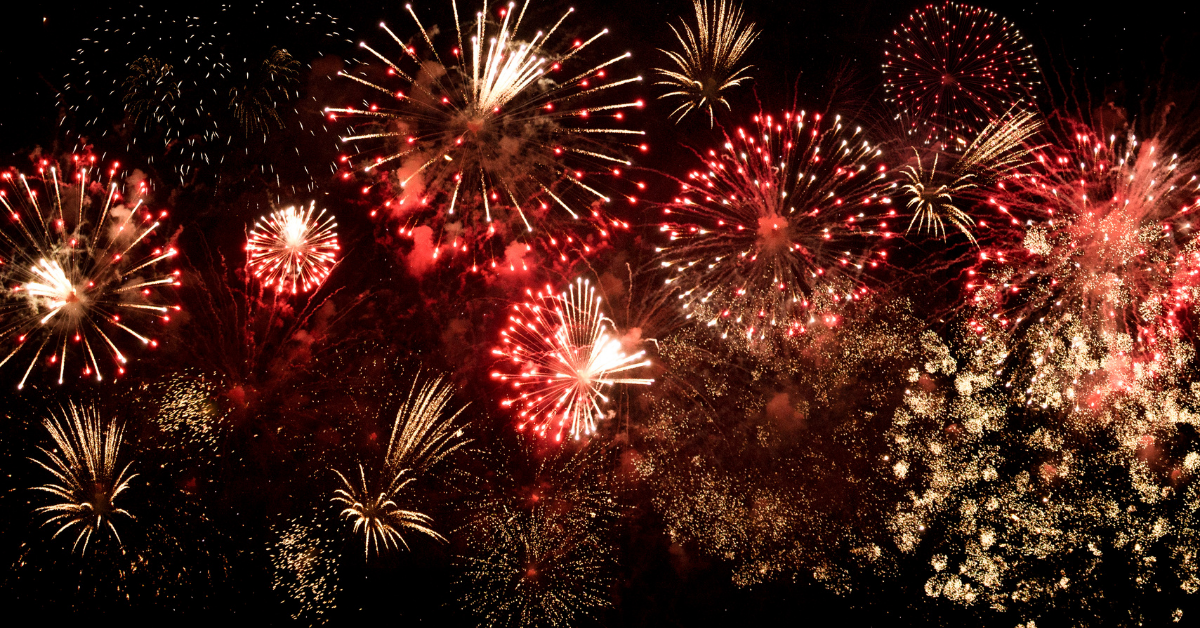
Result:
774,230
1093,264
954,67
498,136
292,250
566,355
83,275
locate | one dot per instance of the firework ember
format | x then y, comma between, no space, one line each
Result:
87,477
82,273
291,250
503,135
566,354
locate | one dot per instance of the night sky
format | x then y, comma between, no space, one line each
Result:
237,420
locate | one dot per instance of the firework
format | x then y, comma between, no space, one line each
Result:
954,67
500,138
566,354
773,230
376,515
708,64
538,569
79,284
421,437
1036,513
305,570
87,478
767,461
1093,267
183,85
996,151
292,250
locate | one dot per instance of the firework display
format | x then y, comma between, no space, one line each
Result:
190,87
84,275
776,228
567,355
708,63
992,156
910,348
955,67
292,250
500,134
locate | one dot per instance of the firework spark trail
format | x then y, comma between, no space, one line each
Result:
194,91
497,138
87,477
292,250
567,354
76,288
421,436
1093,266
375,513
708,63
954,68
771,232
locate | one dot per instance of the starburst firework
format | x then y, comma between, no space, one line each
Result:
770,233
500,138
78,282
292,250
567,354
87,477
954,67
708,63
422,436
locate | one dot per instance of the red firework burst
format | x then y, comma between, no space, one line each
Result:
954,67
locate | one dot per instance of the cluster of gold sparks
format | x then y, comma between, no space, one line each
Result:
1095,275
709,62
88,477
422,436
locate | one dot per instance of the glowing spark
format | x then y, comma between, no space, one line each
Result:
771,232
80,282
500,132
954,67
